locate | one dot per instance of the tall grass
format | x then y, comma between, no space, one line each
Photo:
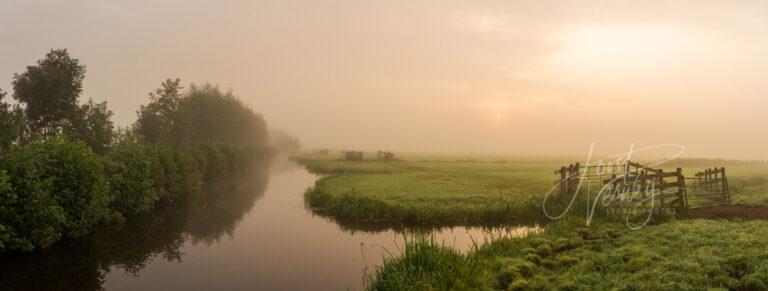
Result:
678,255
426,265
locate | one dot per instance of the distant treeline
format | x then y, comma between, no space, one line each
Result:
64,167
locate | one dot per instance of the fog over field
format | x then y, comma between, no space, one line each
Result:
493,77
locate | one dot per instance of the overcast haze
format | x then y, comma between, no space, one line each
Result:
516,77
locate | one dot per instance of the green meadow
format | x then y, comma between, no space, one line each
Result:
677,252
435,190
428,192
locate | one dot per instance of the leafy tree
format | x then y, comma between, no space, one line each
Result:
207,114
93,125
201,114
283,141
157,119
49,90
12,123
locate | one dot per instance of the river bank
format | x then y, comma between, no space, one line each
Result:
257,235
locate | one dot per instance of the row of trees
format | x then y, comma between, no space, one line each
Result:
65,168
48,105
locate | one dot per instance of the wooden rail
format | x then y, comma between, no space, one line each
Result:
385,156
355,156
672,189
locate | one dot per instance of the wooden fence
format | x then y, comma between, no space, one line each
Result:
385,156
355,156
631,183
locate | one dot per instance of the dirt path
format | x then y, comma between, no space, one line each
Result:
730,211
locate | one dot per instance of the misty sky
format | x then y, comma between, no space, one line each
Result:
507,76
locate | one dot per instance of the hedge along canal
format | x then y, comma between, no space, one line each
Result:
256,235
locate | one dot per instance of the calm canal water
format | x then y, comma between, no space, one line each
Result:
256,236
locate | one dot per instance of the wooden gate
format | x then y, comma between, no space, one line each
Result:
355,156
385,156
633,184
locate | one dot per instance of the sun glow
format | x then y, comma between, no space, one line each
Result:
611,50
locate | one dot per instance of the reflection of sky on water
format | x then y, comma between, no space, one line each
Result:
256,235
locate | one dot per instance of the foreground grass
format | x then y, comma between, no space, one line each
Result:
678,255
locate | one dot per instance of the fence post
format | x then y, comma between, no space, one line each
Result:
643,182
706,178
615,187
661,188
682,196
570,178
725,185
577,176
626,168
563,188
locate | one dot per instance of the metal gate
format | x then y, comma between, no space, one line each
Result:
708,188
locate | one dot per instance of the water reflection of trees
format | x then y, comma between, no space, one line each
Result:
82,264
224,204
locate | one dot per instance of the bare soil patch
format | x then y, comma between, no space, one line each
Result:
730,211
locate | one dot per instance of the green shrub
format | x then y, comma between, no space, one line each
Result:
60,188
143,174
50,189
189,171
28,211
216,161
132,170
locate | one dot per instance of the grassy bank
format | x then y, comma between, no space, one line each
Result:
678,255
427,192
461,191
